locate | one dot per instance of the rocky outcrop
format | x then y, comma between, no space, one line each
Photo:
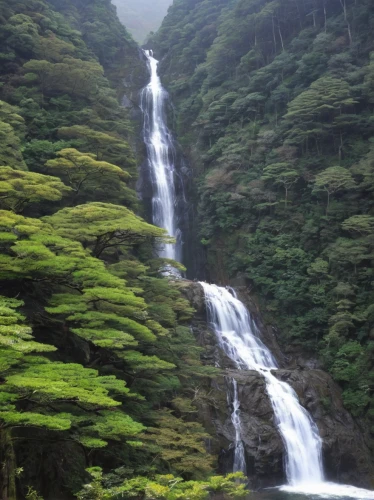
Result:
345,452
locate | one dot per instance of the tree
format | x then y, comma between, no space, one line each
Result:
53,49
22,34
83,172
19,189
12,131
10,148
326,96
105,146
36,392
361,224
72,76
311,113
103,226
179,443
332,180
282,174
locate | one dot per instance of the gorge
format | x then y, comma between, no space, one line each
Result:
186,250
236,332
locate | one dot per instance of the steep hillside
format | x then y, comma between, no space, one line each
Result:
97,363
274,105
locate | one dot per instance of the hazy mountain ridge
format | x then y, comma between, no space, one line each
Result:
141,16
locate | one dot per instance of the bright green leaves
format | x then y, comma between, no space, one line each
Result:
163,487
332,180
359,224
314,113
16,339
180,444
105,146
103,226
67,382
20,189
325,95
101,309
87,176
115,426
102,317
53,423
51,388
139,362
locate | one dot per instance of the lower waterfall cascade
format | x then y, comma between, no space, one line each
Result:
234,330
239,464
236,333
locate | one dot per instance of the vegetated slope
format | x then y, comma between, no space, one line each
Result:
274,102
141,17
96,366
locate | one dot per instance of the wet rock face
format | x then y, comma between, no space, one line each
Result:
345,453
262,443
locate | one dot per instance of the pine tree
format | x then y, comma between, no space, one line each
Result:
20,189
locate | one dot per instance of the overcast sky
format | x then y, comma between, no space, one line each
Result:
141,16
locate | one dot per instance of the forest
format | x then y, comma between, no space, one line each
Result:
102,377
97,361
274,107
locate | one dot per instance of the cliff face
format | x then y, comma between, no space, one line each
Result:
346,455
274,103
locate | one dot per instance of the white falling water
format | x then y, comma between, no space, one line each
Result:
160,151
236,336
232,323
239,455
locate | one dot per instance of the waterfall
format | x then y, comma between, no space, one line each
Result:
239,464
160,155
234,328
236,335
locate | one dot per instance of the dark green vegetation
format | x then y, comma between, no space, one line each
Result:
274,106
97,364
141,17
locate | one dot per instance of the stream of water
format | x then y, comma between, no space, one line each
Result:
233,327
160,154
235,330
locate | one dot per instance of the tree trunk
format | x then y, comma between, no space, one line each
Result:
8,466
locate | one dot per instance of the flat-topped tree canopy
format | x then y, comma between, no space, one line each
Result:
103,225
20,189
91,179
106,146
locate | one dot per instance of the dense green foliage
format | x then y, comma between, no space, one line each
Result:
274,103
161,487
96,360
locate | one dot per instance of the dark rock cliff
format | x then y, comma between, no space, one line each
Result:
346,455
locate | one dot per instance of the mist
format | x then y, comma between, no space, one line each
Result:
141,16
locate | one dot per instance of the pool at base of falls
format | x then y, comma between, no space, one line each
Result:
326,489
313,491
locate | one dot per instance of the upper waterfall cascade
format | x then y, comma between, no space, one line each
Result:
236,332
236,336
161,154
